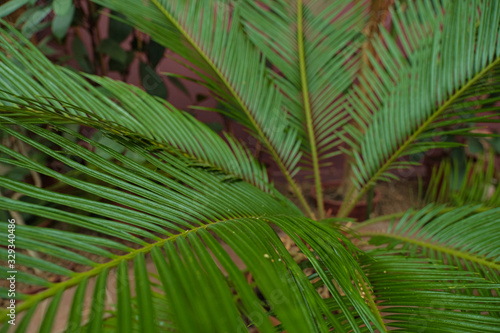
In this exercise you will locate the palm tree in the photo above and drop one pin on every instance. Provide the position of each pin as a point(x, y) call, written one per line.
point(190, 201)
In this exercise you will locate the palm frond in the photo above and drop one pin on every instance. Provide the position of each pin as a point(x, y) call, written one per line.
point(115, 323)
point(29, 75)
point(176, 217)
point(431, 75)
point(474, 182)
point(443, 298)
point(210, 36)
point(460, 237)
point(314, 47)
point(448, 263)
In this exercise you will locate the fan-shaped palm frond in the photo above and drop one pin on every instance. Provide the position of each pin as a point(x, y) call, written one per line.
point(174, 217)
point(29, 75)
point(209, 35)
point(443, 56)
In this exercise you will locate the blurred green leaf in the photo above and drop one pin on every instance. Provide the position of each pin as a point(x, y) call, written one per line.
point(215, 126)
point(73, 127)
point(178, 83)
point(46, 49)
point(62, 7)
point(25, 16)
point(135, 157)
point(495, 143)
point(113, 49)
point(81, 55)
point(121, 67)
point(155, 53)
point(61, 23)
point(11, 6)
point(152, 81)
point(17, 173)
point(459, 165)
point(118, 30)
point(475, 146)
point(34, 23)
point(106, 141)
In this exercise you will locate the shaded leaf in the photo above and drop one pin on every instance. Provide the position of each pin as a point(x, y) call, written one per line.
point(81, 55)
point(152, 81)
point(62, 7)
point(155, 53)
point(117, 29)
point(113, 49)
point(11, 6)
point(61, 23)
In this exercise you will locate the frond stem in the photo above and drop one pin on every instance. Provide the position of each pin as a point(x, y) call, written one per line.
point(442, 249)
point(371, 302)
point(308, 112)
point(51, 291)
point(401, 214)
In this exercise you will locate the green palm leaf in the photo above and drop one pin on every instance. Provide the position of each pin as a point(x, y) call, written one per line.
point(458, 237)
point(314, 46)
point(448, 263)
point(476, 183)
point(29, 74)
point(419, 90)
point(443, 298)
point(210, 36)
point(174, 217)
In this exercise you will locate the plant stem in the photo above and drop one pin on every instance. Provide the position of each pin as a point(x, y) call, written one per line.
point(95, 39)
point(371, 302)
point(99, 268)
point(401, 214)
point(308, 111)
point(378, 12)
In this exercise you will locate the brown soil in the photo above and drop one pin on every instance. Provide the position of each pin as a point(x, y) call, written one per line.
point(333, 194)
point(395, 197)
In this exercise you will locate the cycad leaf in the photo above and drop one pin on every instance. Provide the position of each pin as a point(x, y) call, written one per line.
point(458, 237)
point(179, 209)
point(209, 35)
point(313, 46)
point(448, 263)
point(29, 75)
point(477, 184)
point(449, 57)
point(442, 298)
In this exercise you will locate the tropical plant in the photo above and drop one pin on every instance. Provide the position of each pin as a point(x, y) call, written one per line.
point(308, 79)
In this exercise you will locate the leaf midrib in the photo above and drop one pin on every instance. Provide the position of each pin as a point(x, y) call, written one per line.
point(456, 253)
point(51, 291)
point(307, 110)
